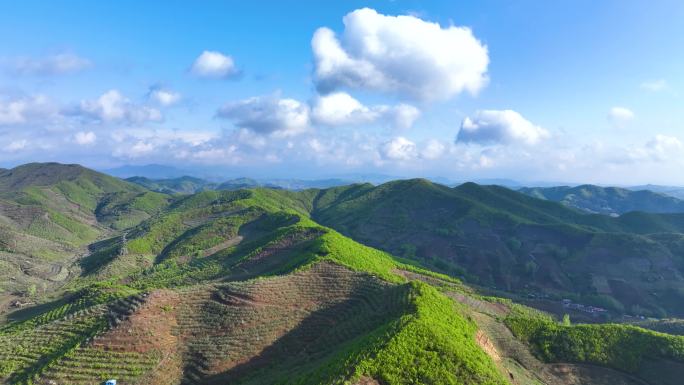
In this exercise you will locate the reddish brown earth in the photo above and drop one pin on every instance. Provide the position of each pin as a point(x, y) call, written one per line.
point(367, 381)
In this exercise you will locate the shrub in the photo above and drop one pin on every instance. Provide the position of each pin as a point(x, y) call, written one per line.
point(618, 346)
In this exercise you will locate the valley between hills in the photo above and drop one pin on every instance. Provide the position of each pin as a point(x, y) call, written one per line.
point(407, 282)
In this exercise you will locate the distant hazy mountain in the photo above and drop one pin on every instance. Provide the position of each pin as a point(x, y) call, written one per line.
point(190, 185)
point(152, 171)
point(608, 200)
point(224, 180)
point(183, 185)
point(286, 184)
point(675, 191)
point(301, 184)
point(239, 183)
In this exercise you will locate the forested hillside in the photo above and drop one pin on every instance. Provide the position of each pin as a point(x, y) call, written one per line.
point(503, 239)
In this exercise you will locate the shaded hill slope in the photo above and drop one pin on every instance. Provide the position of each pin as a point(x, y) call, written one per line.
point(501, 238)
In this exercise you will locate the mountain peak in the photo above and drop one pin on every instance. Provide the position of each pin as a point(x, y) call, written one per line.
point(40, 174)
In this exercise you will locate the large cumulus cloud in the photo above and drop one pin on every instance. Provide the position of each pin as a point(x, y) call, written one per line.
point(402, 55)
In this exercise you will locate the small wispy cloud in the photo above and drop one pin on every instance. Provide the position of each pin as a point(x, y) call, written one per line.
point(85, 138)
point(214, 64)
point(654, 85)
point(620, 116)
point(164, 97)
point(59, 64)
point(16, 145)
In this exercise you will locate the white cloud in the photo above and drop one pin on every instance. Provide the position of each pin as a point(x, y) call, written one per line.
point(659, 149)
point(250, 138)
point(620, 116)
point(403, 55)
point(85, 138)
point(268, 115)
point(151, 144)
point(663, 147)
point(213, 64)
point(432, 149)
point(59, 64)
point(25, 109)
point(404, 115)
point(16, 145)
point(654, 85)
point(500, 127)
point(341, 109)
point(165, 97)
point(140, 148)
point(316, 146)
point(165, 137)
point(112, 106)
point(215, 155)
point(398, 148)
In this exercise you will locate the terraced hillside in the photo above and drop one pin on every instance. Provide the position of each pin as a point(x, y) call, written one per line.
point(49, 213)
point(243, 287)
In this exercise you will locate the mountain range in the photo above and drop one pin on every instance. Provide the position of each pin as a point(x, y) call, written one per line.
point(407, 282)
point(608, 200)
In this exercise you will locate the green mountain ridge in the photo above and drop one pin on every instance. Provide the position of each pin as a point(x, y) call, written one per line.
point(50, 212)
point(270, 286)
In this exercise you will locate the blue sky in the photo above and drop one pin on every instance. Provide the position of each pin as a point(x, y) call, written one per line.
point(576, 91)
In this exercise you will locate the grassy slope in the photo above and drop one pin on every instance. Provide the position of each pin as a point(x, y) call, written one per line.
point(49, 212)
point(74, 199)
point(432, 345)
